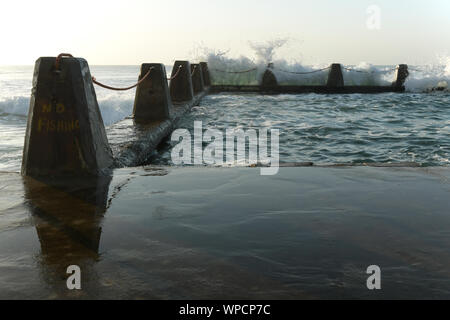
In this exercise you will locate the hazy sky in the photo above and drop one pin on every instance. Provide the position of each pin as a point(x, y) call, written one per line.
point(136, 31)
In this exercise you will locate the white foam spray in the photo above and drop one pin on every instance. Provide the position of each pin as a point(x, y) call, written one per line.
point(422, 78)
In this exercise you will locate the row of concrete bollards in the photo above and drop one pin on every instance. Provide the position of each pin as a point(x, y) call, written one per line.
point(154, 96)
point(66, 135)
point(335, 76)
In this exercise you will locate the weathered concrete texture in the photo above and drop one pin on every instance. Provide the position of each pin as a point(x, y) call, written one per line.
point(133, 143)
point(206, 75)
point(152, 102)
point(401, 75)
point(335, 77)
point(269, 79)
point(65, 133)
point(197, 78)
point(181, 89)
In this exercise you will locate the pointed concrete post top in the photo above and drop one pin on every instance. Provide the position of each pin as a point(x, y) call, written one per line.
point(269, 79)
point(401, 75)
point(335, 76)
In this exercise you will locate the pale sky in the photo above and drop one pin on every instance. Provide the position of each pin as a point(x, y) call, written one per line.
point(135, 31)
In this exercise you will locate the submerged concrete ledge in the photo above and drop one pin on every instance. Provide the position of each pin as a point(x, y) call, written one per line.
point(157, 110)
point(303, 89)
point(133, 142)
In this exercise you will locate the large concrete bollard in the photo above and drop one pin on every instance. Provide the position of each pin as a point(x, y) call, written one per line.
point(180, 87)
point(206, 75)
point(401, 74)
point(335, 77)
point(65, 133)
point(152, 102)
point(268, 79)
point(197, 78)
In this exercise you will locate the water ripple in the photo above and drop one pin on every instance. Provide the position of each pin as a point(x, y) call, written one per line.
point(345, 128)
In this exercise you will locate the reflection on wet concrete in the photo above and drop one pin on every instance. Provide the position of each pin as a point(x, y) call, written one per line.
point(67, 216)
point(305, 233)
point(217, 233)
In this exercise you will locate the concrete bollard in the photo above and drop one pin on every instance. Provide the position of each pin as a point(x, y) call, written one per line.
point(65, 132)
point(152, 102)
point(401, 75)
point(268, 78)
point(335, 77)
point(206, 76)
point(180, 87)
point(197, 78)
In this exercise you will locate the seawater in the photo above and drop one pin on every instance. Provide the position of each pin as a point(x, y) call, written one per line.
point(325, 129)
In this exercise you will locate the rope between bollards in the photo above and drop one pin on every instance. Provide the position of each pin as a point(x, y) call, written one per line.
point(123, 89)
point(176, 74)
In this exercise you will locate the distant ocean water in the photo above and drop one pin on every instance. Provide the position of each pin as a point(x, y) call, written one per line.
point(325, 129)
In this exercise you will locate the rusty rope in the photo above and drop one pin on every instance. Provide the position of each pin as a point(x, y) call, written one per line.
point(306, 72)
point(123, 89)
point(176, 74)
point(59, 57)
point(237, 72)
point(193, 71)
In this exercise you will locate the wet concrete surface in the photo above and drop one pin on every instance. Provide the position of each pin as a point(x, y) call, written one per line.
point(228, 233)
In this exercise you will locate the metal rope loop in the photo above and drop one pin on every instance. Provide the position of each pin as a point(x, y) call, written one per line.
point(59, 57)
point(176, 74)
point(193, 71)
